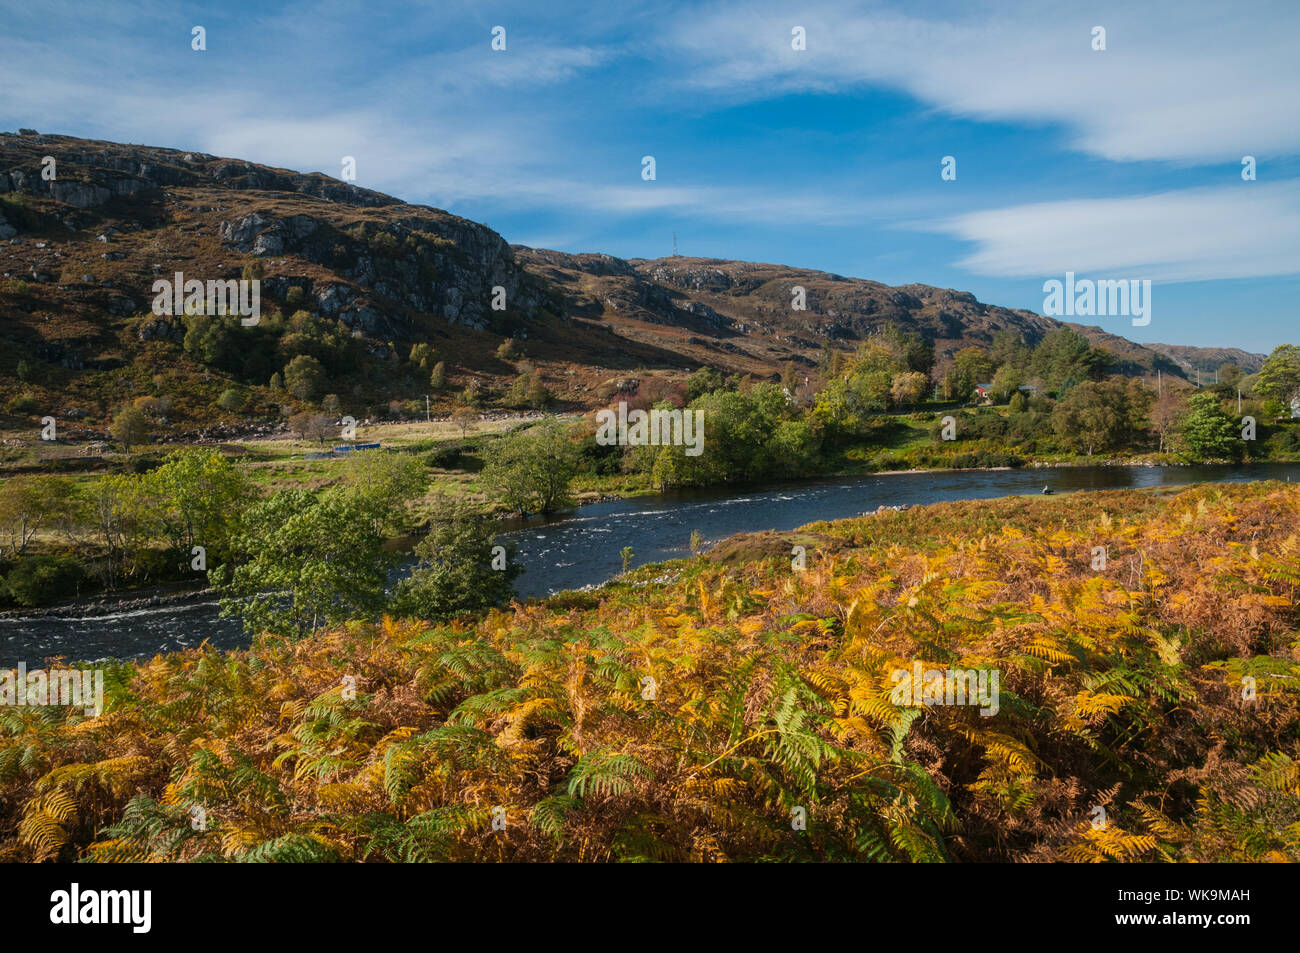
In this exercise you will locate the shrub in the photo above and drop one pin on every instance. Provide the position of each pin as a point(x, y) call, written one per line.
point(41, 579)
point(23, 404)
point(232, 399)
point(304, 377)
point(445, 457)
point(130, 426)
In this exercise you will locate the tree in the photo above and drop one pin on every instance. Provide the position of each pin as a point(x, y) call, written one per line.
point(196, 497)
point(119, 512)
point(462, 417)
point(387, 481)
point(1230, 374)
point(28, 502)
point(538, 395)
point(509, 349)
point(517, 393)
point(1167, 410)
point(457, 569)
point(438, 377)
point(909, 348)
point(422, 355)
point(304, 377)
point(532, 470)
point(972, 366)
point(319, 428)
point(1208, 432)
point(472, 395)
point(1279, 379)
point(232, 399)
point(908, 388)
point(1008, 349)
point(1064, 358)
point(130, 427)
point(704, 381)
point(332, 405)
point(305, 560)
point(1101, 415)
point(309, 426)
point(789, 378)
point(1006, 382)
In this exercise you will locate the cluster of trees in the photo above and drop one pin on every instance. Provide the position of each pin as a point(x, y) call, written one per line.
point(299, 353)
point(139, 526)
point(1059, 397)
point(288, 563)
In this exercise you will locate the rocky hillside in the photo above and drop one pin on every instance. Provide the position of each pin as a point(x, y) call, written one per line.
point(354, 278)
point(739, 314)
point(1192, 359)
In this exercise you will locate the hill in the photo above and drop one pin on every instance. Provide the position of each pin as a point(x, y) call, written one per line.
point(1208, 359)
point(353, 278)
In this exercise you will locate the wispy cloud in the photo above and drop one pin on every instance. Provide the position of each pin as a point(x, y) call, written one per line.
point(1182, 82)
point(1247, 230)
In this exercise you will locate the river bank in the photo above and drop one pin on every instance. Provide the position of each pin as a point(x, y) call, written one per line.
point(584, 547)
point(178, 593)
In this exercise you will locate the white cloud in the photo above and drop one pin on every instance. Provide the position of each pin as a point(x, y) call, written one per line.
point(1178, 81)
point(1247, 230)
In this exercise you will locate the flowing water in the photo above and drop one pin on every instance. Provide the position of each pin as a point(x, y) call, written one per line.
point(582, 547)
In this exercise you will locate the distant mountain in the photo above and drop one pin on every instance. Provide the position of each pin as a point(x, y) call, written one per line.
point(1192, 359)
point(79, 254)
point(738, 314)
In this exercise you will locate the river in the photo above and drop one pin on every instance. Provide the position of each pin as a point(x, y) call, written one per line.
point(581, 548)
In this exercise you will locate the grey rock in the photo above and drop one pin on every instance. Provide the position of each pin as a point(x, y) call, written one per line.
point(79, 194)
point(268, 243)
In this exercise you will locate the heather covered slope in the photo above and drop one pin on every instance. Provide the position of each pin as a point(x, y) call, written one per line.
point(1120, 688)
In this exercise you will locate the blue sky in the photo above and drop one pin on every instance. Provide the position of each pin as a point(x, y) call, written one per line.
point(1123, 163)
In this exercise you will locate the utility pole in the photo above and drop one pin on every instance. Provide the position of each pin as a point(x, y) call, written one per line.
point(1238, 399)
point(428, 418)
point(1160, 385)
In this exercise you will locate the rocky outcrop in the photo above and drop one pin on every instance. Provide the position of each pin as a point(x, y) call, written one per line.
point(89, 173)
point(390, 265)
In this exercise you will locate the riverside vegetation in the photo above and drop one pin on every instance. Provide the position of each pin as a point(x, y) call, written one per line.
point(1123, 688)
point(69, 534)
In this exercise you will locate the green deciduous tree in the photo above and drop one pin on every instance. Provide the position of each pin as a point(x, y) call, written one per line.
point(1208, 432)
point(457, 570)
point(1102, 415)
point(305, 560)
point(130, 427)
point(1279, 379)
point(30, 502)
point(531, 471)
point(196, 498)
point(304, 377)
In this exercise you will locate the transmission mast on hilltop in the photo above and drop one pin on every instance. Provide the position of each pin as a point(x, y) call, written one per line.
point(674, 244)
